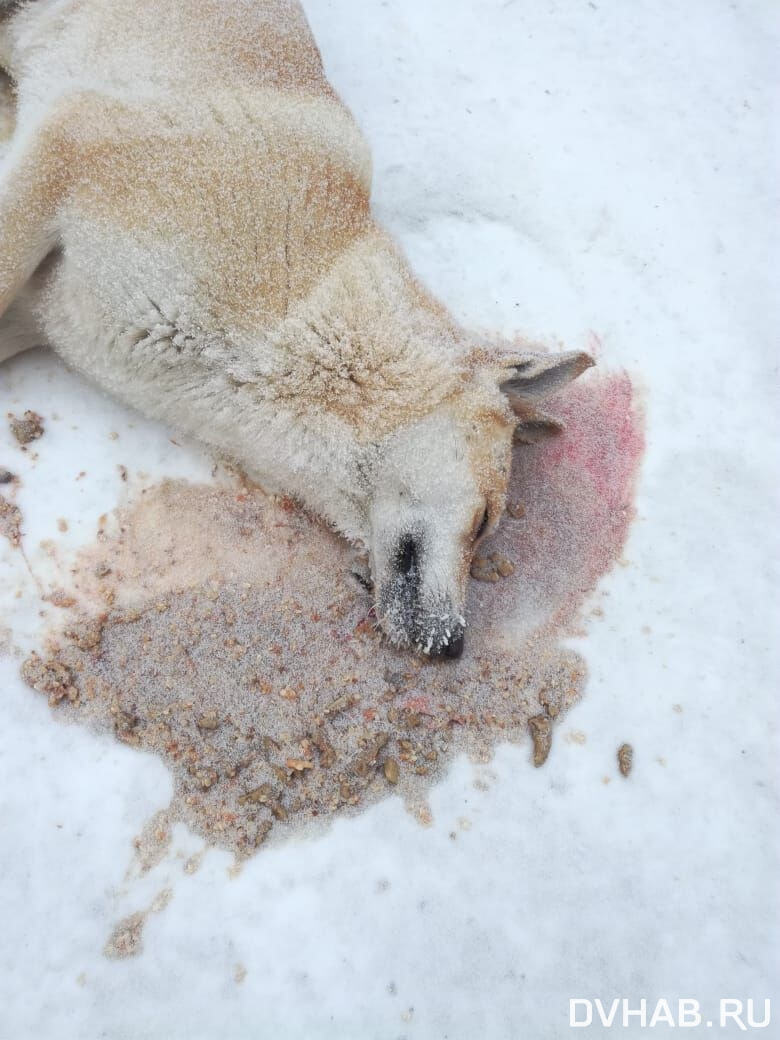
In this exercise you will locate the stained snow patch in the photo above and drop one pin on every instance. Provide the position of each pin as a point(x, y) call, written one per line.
point(221, 630)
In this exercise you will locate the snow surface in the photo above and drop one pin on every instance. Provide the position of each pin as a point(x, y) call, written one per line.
point(565, 169)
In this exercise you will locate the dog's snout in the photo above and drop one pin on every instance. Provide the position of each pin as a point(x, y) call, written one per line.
point(411, 609)
point(454, 648)
point(451, 647)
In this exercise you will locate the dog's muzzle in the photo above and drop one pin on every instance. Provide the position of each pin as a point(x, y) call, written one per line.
point(431, 626)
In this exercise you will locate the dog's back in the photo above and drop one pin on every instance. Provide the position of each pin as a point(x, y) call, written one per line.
point(202, 134)
point(137, 48)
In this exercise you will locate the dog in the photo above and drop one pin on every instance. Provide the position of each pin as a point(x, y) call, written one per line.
point(185, 218)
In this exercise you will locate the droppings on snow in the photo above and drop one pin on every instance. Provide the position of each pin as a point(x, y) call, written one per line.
point(625, 758)
point(222, 630)
point(28, 428)
point(540, 727)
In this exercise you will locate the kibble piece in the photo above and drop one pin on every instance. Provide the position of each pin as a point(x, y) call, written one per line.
point(482, 569)
point(367, 759)
point(516, 510)
point(126, 727)
point(340, 705)
point(262, 795)
point(327, 751)
point(504, 566)
point(299, 764)
point(206, 778)
point(278, 810)
point(391, 770)
point(625, 758)
point(209, 720)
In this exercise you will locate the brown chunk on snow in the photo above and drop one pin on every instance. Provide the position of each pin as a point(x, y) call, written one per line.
point(28, 428)
point(541, 734)
point(625, 758)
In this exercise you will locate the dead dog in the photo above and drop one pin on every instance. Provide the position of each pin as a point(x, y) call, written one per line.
point(185, 218)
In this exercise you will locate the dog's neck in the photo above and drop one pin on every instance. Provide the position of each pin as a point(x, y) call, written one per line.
point(366, 352)
point(368, 345)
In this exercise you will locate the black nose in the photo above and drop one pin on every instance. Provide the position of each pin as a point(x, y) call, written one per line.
point(454, 648)
point(406, 555)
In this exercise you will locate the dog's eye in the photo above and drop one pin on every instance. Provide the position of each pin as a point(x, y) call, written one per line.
point(482, 527)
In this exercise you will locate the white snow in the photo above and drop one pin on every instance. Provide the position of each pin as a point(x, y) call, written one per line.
point(561, 168)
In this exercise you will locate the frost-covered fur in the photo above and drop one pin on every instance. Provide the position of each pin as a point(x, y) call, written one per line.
point(184, 217)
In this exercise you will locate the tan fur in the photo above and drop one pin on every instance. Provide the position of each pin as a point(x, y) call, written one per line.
point(256, 255)
point(203, 199)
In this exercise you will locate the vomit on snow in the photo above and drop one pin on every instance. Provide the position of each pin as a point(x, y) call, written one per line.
point(227, 637)
point(391, 770)
point(60, 598)
point(249, 766)
point(576, 736)
point(151, 845)
point(126, 938)
point(51, 677)
point(193, 863)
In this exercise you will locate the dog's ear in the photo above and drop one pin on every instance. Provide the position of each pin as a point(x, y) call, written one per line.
point(535, 427)
point(527, 379)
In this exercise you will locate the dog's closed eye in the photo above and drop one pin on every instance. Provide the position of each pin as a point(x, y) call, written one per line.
point(481, 522)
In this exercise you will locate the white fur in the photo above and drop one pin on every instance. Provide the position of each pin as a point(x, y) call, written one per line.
point(198, 268)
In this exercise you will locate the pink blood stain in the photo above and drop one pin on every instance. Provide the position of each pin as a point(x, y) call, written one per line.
point(578, 491)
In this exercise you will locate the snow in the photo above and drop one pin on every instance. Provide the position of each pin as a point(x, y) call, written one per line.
point(590, 173)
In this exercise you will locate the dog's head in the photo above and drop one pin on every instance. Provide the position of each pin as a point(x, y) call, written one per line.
point(439, 488)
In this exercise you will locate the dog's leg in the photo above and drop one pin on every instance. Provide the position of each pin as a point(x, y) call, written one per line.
point(31, 188)
point(7, 113)
point(19, 328)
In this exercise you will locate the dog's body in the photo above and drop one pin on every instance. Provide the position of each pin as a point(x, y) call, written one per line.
point(184, 217)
